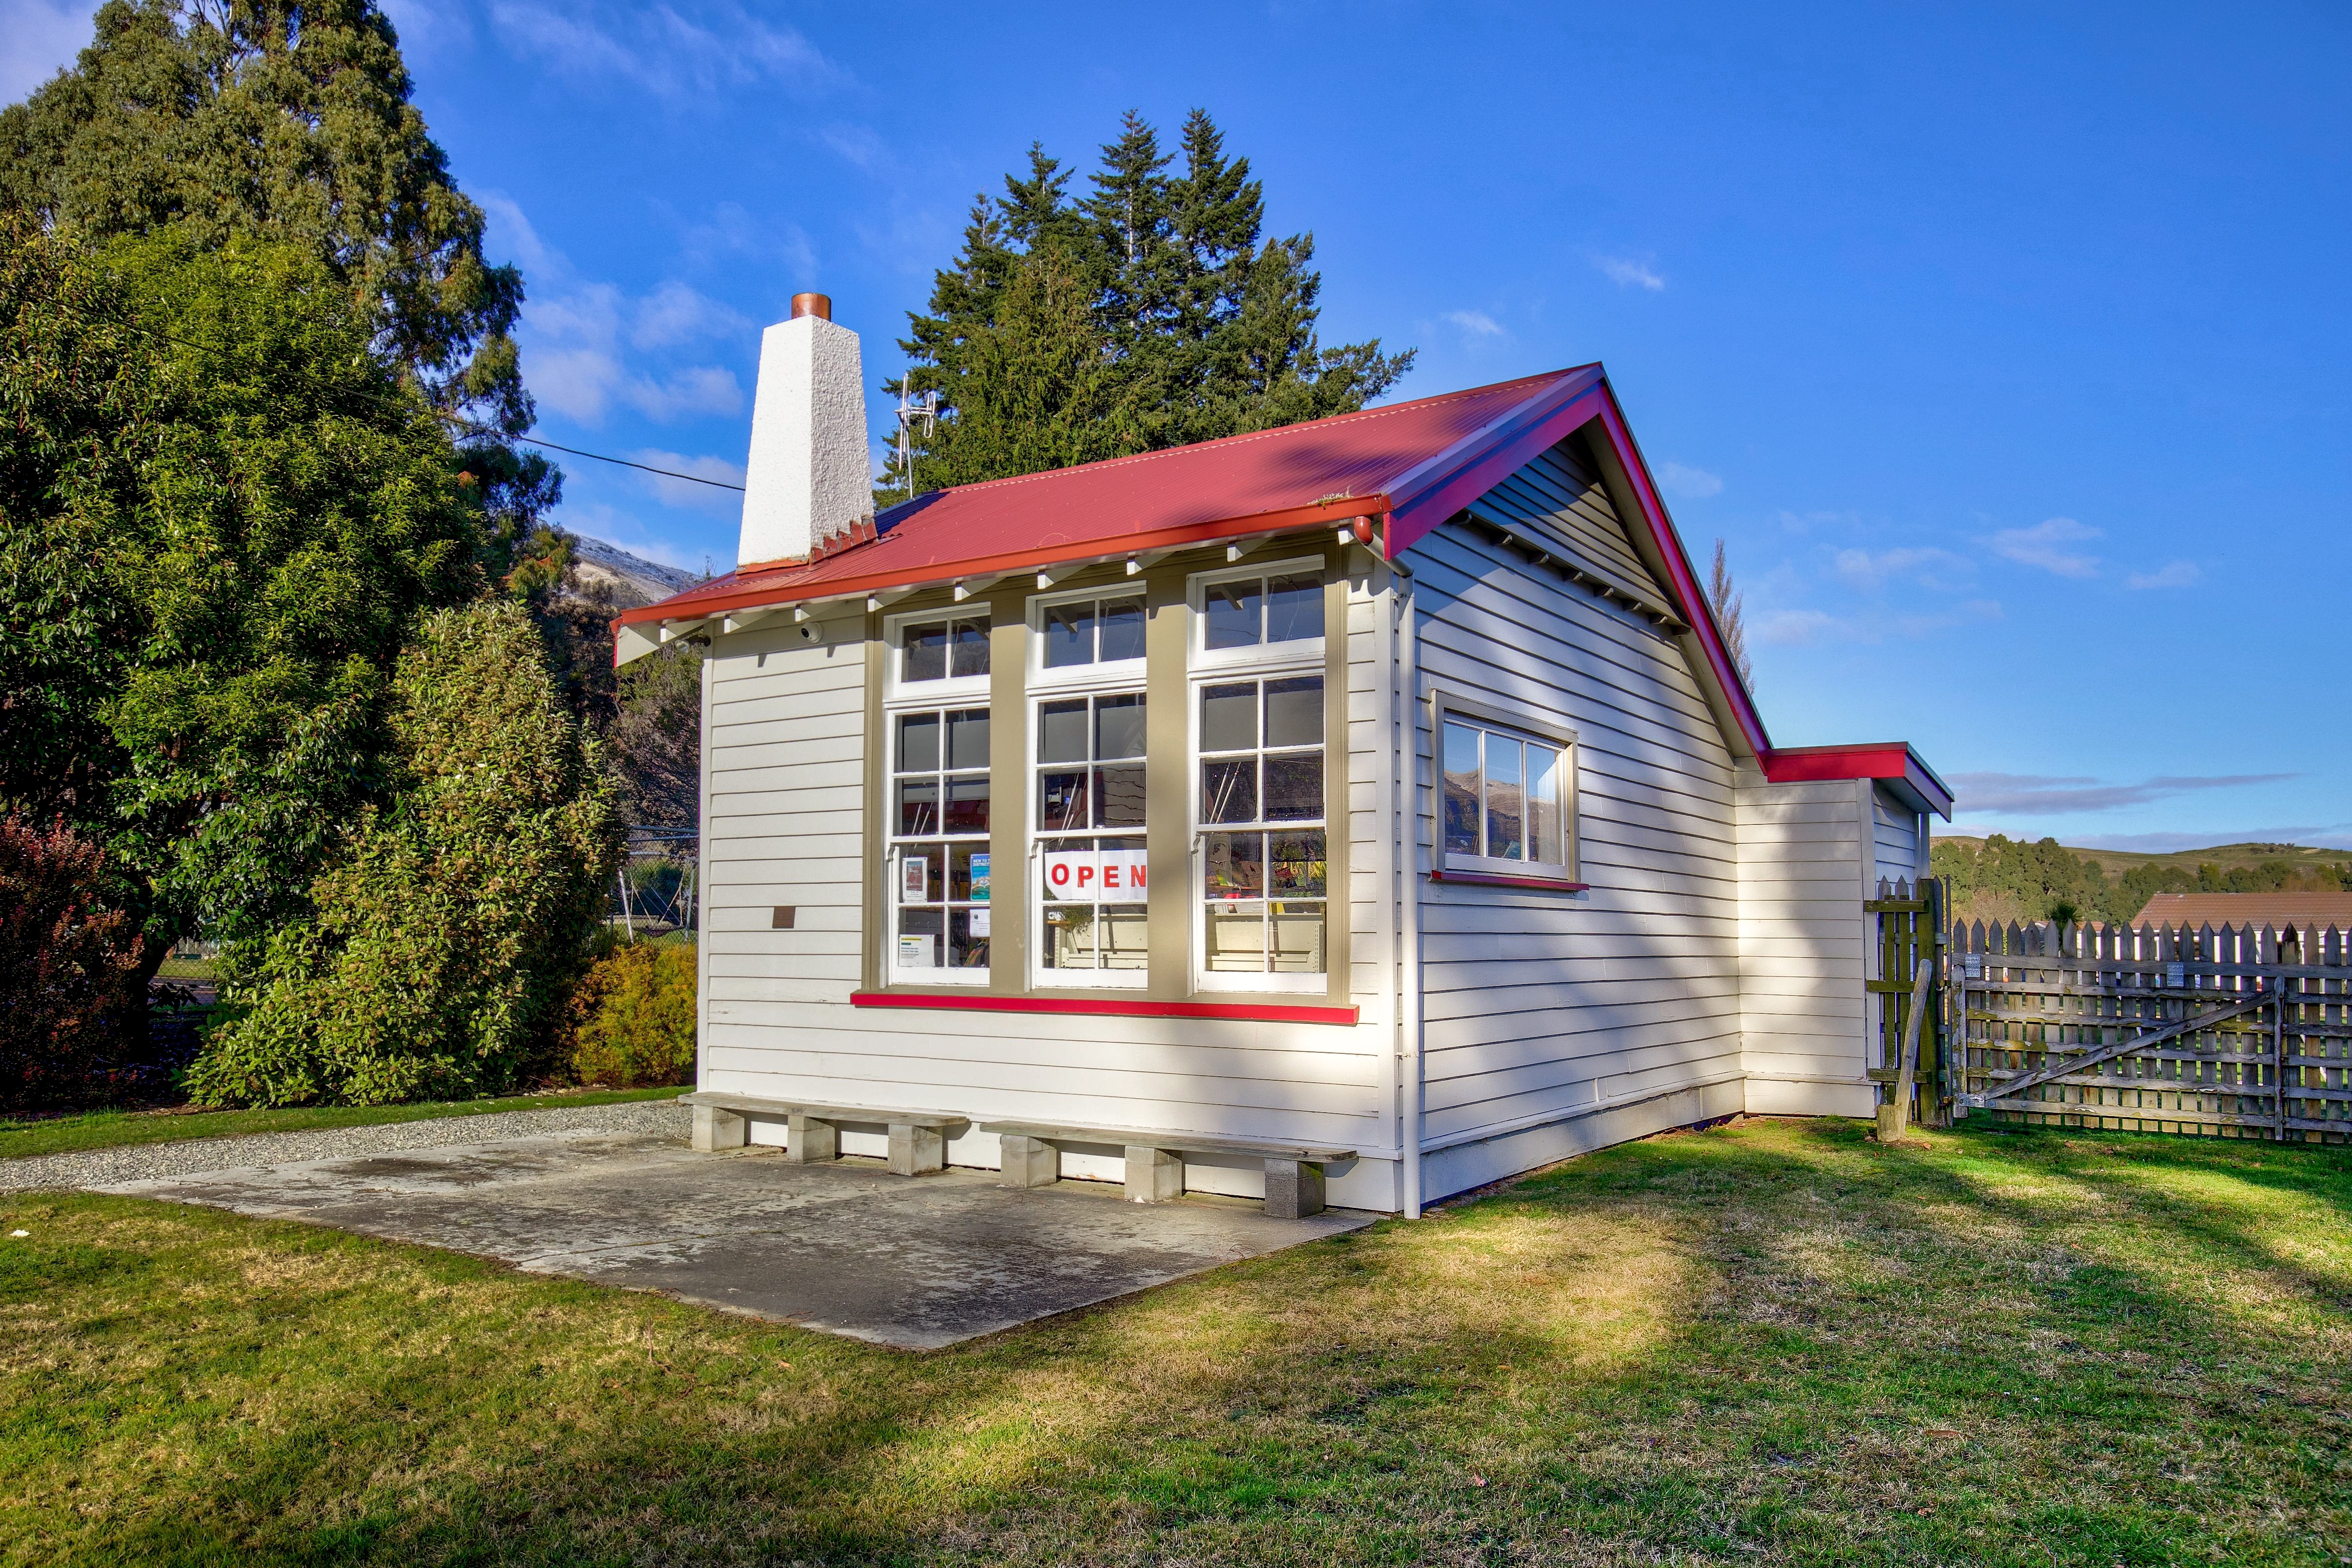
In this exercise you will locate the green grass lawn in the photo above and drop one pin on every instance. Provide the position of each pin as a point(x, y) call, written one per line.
point(105, 1128)
point(1773, 1343)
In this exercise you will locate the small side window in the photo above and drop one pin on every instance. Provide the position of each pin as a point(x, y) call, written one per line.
point(1506, 798)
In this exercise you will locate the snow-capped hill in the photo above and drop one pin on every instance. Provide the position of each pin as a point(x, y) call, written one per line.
point(633, 579)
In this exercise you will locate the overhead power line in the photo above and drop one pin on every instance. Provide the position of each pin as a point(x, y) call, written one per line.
point(389, 399)
point(625, 462)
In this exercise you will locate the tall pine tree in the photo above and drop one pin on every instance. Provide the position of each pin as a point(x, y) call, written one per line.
point(1149, 314)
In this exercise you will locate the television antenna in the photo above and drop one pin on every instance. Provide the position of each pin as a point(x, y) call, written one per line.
point(925, 409)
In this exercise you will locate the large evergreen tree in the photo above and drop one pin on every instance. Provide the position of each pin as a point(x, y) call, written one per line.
point(288, 122)
point(1149, 314)
point(219, 517)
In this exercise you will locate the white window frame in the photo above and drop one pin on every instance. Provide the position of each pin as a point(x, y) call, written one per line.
point(948, 691)
point(1449, 866)
point(1216, 667)
point(1041, 975)
point(942, 697)
point(1118, 674)
point(1201, 657)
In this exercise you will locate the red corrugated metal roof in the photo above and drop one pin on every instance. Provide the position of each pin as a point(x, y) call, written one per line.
point(1131, 503)
point(1412, 464)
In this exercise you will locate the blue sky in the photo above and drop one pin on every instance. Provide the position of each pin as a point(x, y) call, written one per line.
point(2005, 346)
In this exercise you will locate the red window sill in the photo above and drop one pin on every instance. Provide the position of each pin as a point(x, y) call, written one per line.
point(1492, 879)
point(1106, 1006)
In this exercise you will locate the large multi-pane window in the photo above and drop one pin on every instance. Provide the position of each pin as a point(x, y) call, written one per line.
point(1093, 923)
point(1265, 875)
point(938, 866)
point(1508, 799)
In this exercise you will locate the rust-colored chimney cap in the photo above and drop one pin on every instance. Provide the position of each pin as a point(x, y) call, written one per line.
point(817, 305)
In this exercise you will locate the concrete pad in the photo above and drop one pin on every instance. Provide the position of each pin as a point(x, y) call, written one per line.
point(912, 1262)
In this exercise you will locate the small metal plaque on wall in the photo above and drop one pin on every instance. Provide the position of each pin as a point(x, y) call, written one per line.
point(783, 918)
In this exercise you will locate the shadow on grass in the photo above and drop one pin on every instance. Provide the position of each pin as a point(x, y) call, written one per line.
point(1776, 1343)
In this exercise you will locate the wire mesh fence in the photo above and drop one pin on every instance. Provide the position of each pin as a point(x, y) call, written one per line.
point(658, 886)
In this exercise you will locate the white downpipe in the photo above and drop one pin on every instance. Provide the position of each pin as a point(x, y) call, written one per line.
point(1408, 780)
point(1392, 950)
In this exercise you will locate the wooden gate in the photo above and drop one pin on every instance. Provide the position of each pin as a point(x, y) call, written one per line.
point(2241, 1031)
point(1911, 928)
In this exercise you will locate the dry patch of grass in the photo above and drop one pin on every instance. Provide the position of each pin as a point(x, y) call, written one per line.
point(1770, 1343)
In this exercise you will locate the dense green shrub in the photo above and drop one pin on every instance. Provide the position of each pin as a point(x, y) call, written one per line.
point(68, 964)
point(449, 927)
point(633, 1017)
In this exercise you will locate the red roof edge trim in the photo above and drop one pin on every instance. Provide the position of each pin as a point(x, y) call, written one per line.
point(1893, 761)
point(682, 607)
point(1434, 489)
point(1513, 450)
point(1683, 581)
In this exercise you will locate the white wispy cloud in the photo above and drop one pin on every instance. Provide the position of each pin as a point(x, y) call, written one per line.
point(2052, 545)
point(37, 39)
point(1476, 323)
point(858, 145)
point(1628, 272)
point(674, 314)
point(1869, 573)
point(684, 492)
point(731, 230)
point(2010, 795)
point(1806, 521)
point(577, 336)
point(662, 49)
point(1816, 628)
point(429, 28)
point(2176, 575)
point(2330, 836)
point(1688, 483)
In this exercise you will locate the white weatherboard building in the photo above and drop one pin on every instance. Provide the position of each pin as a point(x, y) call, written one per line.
point(1362, 810)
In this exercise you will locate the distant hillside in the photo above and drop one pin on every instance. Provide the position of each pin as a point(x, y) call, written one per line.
point(2001, 878)
point(2228, 856)
point(633, 579)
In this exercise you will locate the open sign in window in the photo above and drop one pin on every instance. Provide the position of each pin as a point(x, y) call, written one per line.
point(1112, 873)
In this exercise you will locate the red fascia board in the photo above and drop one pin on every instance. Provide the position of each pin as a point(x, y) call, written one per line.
point(1684, 582)
point(1874, 760)
point(1313, 513)
point(1444, 486)
point(1430, 496)
point(1106, 1007)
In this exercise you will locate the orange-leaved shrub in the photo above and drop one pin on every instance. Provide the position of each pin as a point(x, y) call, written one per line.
point(632, 1017)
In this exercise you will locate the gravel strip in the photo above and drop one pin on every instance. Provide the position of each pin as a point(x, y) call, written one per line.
point(101, 1167)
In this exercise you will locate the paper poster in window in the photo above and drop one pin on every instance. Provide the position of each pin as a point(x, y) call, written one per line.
point(979, 923)
point(980, 886)
point(916, 952)
point(914, 879)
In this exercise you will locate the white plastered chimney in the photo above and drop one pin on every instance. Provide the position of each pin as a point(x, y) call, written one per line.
point(807, 488)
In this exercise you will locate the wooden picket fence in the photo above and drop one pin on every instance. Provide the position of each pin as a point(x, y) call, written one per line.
point(2243, 1032)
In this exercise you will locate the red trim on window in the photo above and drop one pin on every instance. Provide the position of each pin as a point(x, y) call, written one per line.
point(1107, 1007)
point(1493, 879)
